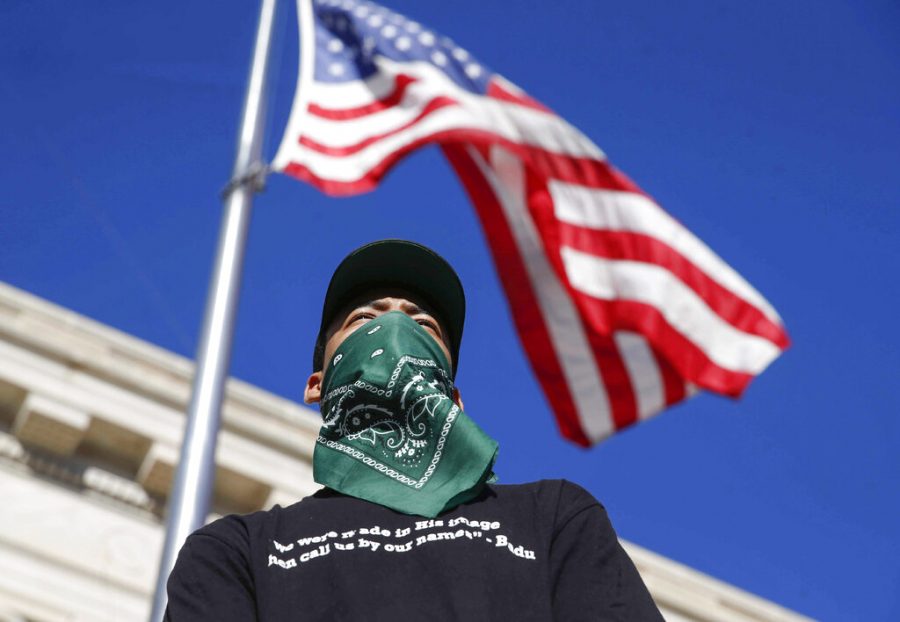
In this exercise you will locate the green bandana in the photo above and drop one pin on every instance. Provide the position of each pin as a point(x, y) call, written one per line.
point(391, 432)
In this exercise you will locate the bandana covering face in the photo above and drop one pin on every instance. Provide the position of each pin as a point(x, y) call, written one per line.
point(391, 432)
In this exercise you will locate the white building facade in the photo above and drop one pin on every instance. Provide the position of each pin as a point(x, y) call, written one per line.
point(90, 429)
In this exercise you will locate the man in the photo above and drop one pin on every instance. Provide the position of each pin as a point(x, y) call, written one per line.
point(408, 525)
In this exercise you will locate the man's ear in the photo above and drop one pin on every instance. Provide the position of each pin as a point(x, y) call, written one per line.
point(313, 391)
point(457, 398)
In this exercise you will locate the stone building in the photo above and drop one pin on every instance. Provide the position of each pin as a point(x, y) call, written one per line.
point(90, 427)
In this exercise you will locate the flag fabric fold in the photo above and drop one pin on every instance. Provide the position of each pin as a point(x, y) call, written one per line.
point(621, 310)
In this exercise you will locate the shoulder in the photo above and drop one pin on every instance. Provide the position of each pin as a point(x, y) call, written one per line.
point(558, 500)
point(559, 492)
point(233, 532)
point(239, 530)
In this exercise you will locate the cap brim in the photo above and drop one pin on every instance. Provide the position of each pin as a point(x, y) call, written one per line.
point(403, 265)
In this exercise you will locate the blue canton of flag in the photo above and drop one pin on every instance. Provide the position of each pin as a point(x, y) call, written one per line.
point(350, 34)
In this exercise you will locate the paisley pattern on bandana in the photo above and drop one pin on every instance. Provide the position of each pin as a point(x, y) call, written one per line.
point(391, 433)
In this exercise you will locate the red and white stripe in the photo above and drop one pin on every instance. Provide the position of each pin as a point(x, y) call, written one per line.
point(621, 310)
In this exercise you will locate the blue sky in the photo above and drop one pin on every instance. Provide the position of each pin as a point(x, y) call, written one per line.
point(771, 129)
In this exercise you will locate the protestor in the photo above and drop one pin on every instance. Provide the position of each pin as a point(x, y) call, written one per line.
point(409, 525)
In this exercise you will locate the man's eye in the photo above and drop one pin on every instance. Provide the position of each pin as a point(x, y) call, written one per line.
point(427, 322)
point(356, 317)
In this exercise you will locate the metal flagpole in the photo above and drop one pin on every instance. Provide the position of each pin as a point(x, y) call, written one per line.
point(192, 489)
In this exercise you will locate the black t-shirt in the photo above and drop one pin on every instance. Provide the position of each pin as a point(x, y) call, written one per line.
point(540, 551)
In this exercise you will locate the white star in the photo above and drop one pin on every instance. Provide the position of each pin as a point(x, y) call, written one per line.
point(389, 32)
point(473, 70)
point(336, 69)
point(413, 27)
point(439, 58)
point(460, 54)
point(426, 38)
point(334, 46)
point(368, 45)
point(361, 12)
point(375, 21)
point(403, 44)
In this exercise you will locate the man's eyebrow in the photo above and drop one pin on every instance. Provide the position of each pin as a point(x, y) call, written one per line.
point(380, 305)
point(377, 304)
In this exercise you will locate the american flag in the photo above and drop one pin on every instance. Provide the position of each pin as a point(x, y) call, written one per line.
point(622, 311)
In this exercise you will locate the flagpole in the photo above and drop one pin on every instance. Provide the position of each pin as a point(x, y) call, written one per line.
point(192, 490)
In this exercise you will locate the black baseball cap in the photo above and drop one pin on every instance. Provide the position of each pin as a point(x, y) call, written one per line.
point(405, 265)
